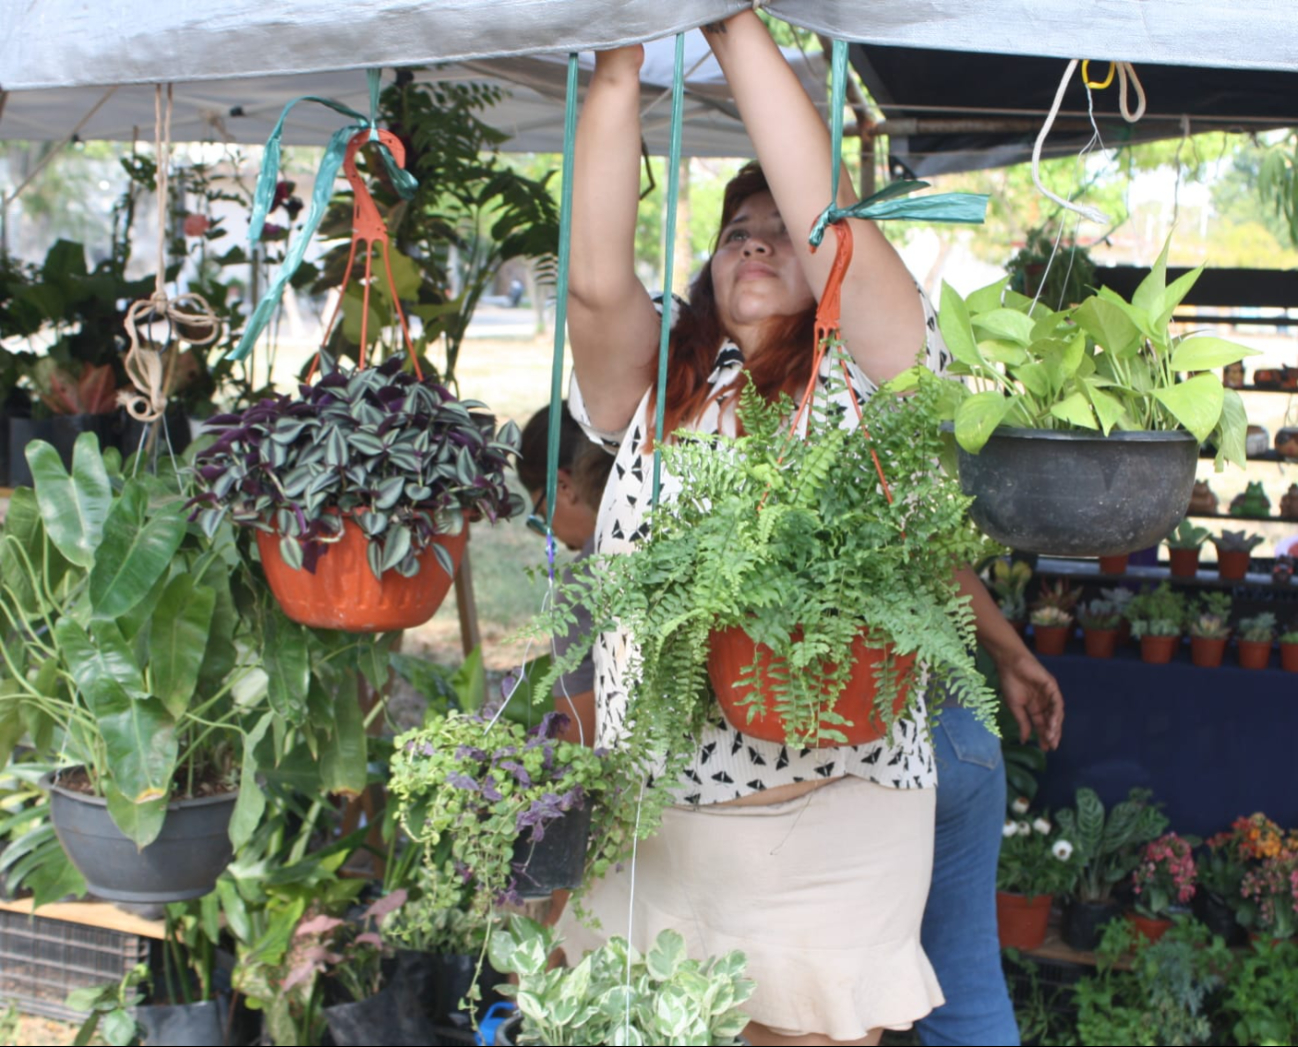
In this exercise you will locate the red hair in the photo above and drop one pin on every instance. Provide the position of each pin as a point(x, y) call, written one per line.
point(781, 364)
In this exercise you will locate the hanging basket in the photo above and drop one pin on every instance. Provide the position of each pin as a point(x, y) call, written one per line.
point(558, 860)
point(732, 650)
point(190, 852)
point(1064, 493)
point(342, 592)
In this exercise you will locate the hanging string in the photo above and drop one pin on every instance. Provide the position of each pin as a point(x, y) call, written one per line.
point(669, 253)
point(189, 314)
point(264, 197)
point(555, 421)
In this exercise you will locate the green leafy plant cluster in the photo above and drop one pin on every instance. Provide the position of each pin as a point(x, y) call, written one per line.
point(1107, 846)
point(615, 995)
point(796, 542)
point(1260, 628)
point(484, 786)
point(141, 649)
point(1099, 614)
point(1157, 612)
point(400, 456)
point(1106, 364)
point(1187, 536)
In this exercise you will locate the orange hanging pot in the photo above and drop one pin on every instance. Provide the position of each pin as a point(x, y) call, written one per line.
point(732, 650)
point(343, 593)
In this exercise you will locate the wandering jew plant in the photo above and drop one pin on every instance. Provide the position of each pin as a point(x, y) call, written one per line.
point(400, 456)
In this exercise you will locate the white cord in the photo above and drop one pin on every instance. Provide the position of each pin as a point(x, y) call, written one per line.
point(1094, 214)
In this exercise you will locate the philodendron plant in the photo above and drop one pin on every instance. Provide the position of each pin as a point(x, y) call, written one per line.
point(399, 455)
point(1106, 364)
point(615, 995)
point(134, 646)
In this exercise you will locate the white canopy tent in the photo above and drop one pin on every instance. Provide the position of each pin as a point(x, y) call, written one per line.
point(238, 61)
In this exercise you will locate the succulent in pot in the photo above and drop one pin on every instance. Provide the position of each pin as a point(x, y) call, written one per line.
point(1288, 642)
point(1051, 626)
point(1209, 629)
point(1255, 637)
point(1156, 620)
point(1183, 545)
point(1100, 620)
point(1233, 551)
point(1099, 386)
point(375, 460)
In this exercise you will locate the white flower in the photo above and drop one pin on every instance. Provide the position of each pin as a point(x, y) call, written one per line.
point(1042, 826)
point(1020, 806)
point(1023, 828)
point(1009, 828)
point(1063, 850)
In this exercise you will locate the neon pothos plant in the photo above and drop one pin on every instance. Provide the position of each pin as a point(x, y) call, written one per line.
point(1106, 364)
point(796, 542)
point(399, 455)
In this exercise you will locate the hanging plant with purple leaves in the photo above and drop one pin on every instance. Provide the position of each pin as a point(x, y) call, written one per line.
point(482, 786)
point(400, 456)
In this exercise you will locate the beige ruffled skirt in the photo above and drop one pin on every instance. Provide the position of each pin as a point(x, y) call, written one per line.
point(824, 894)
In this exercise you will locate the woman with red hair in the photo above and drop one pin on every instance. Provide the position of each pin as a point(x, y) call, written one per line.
point(814, 863)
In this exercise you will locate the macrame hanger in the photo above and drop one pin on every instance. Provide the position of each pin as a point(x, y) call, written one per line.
point(189, 316)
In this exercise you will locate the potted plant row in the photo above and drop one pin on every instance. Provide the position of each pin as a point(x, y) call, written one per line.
point(360, 490)
point(1080, 432)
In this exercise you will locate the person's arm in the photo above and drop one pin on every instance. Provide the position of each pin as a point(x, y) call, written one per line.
point(1031, 693)
point(612, 325)
point(883, 321)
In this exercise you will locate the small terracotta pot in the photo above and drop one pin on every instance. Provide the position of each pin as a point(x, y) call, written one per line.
point(1114, 564)
point(1183, 563)
point(1205, 653)
point(732, 650)
point(1150, 927)
point(1051, 639)
point(1232, 565)
point(1021, 919)
point(1289, 657)
point(1100, 643)
point(1158, 650)
point(1254, 654)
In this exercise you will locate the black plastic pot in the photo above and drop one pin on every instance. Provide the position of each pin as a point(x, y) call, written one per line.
point(1084, 922)
point(183, 862)
point(378, 1019)
point(1077, 493)
point(558, 860)
point(61, 432)
point(436, 983)
point(183, 1025)
point(1218, 917)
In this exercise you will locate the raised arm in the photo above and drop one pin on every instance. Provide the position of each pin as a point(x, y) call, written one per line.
point(882, 321)
point(612, 325)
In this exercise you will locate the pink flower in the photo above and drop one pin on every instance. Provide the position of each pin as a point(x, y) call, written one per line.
point(197, 224)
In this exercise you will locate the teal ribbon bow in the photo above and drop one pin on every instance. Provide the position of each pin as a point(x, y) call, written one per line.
point(884, 205)
point(403, 181)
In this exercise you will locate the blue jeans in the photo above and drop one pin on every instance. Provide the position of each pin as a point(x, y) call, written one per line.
point(959, 929)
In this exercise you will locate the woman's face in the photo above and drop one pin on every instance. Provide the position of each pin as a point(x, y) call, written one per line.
point(756, 274)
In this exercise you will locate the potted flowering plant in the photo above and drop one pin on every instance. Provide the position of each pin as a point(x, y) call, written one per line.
point(1163, 883)
point(360, 490)
point(1035, 865)
point(516, 805)
point(1256, 635)
point(1091, 401)
point(1209, 629)
point(1183, 546)
point(1226, 859)
point(1107, 852)
point(1100, 620)
point(1156, 618)
point(615, 995)
point(1270, 893)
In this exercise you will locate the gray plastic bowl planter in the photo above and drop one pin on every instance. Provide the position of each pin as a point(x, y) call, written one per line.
point(183, 862)
point(1064, 493)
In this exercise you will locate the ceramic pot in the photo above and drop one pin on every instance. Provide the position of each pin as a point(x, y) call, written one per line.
point(1205, 653)
point(1254, 654)
point(1158, 650)
point(1021, 919)
point(1051, 639)
point(732, 650)
point(1183, 563)
point(1100, 643)
point(342, 592)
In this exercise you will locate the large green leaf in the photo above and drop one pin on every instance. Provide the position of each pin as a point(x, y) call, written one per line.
point(1204, 352)
point(74, 507)
point(140, 822)
point(1108, 325)
point(343, 754)
point(1035, 378)
point(288, 667)
point(1196, 403)
point(1150, 297)
point(96, 664)
point(251, 804)
point(178, 642)
point(1076, 410)
point(957, 331)
point(140, 741)
point(1005, 324)
point(23, 551)
point(978, 418)
point(1231, 434)
point(1175, 293)
point(1108, 408)
point(136, 550)
point(987, 298)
